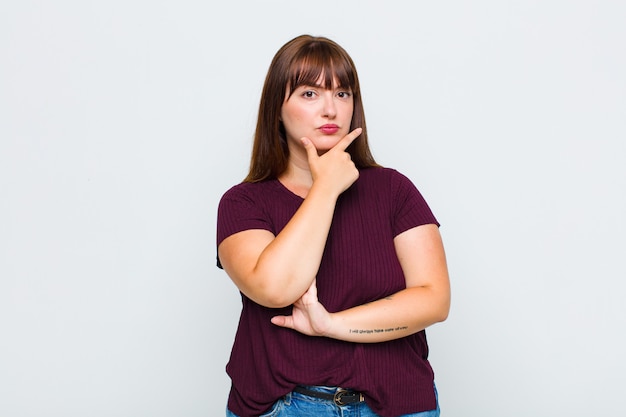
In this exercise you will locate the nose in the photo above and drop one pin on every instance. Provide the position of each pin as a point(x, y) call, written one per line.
point(330, 109)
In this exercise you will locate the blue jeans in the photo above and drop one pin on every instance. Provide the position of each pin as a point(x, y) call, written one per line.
point(298, 405)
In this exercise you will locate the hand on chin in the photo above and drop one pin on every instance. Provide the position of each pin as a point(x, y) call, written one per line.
point(325, 143)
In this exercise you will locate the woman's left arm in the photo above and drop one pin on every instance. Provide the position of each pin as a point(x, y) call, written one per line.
point(425, 301)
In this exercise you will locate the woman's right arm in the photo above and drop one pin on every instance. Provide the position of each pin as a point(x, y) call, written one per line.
point(275, 271)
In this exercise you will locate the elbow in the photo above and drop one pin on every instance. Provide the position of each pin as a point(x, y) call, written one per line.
point(437, 316)
point(444, 310)
point(271, 297)
point(442, 315)
point(263, 290)
point(275, 301)
point(440, 307)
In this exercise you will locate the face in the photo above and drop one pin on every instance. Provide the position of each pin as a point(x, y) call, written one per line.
point(322, 115)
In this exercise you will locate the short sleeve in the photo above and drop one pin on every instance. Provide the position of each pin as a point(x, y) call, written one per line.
point(410, 208)
point(238, 211)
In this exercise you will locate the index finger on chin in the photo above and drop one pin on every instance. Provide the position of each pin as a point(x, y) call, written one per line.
point(348, 139)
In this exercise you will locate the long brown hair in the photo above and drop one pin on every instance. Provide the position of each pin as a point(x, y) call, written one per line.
point(302, 61)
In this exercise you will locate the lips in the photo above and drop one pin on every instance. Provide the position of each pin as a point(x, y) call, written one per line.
point(329, 129)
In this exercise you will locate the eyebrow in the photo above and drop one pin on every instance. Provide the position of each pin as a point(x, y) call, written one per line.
point(347, 87)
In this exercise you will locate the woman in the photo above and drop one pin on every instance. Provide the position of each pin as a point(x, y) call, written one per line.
point(339, 260)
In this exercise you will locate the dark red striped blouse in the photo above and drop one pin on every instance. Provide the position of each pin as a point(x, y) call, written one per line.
point(359, 265)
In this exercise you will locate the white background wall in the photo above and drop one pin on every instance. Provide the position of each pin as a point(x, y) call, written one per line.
point(123, 122)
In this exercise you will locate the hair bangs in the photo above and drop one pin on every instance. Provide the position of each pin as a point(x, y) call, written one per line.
point(321, 65)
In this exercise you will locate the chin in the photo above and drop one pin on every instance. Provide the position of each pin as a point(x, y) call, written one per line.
point(325, 144)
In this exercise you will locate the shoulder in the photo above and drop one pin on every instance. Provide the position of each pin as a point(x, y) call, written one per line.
point(247, 191)
point(382, 176)
point(247, 188)
point(381, 172)
point(244, 206)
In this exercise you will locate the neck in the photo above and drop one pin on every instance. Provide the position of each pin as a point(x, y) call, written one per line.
point(297, 177)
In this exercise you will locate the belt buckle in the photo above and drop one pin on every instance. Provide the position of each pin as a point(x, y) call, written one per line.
point(338, 397)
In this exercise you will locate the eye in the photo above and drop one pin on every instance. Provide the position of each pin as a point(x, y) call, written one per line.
point(308, 94)
point(344, 94)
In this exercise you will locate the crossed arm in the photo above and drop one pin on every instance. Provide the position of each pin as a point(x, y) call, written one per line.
point(278, 271)
point(425, 301)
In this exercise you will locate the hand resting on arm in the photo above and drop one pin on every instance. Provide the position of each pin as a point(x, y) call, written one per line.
point(425, 301)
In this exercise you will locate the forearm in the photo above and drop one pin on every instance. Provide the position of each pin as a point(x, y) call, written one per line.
point(275, 271)
point(402, 314)
point(425, 301)
point(288, 264)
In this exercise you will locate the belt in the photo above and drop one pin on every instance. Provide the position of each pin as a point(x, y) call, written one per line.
point(340, 397)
